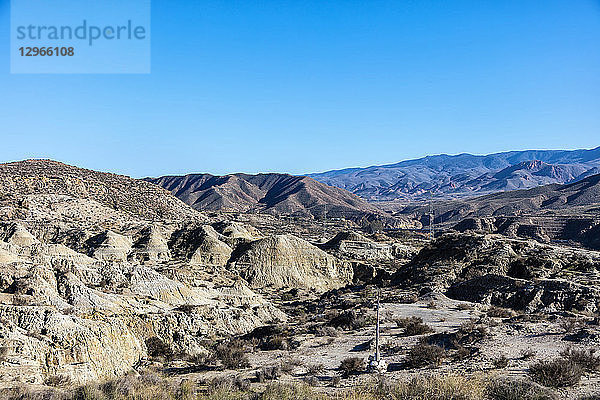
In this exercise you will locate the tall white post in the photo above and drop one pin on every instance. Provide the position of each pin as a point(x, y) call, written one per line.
point(377, 357)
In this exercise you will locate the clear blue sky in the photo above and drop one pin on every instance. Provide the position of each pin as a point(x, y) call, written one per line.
point(307, 86)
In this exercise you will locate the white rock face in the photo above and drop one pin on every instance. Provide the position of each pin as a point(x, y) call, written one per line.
point(287, 261)
point(151, 246)
point(110, 246)
point(84, 318)
point(20, 236)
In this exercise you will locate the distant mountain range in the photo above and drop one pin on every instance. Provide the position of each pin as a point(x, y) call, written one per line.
point(553, 212)
point(578, 199)
point(464, 175)
point(278, 194)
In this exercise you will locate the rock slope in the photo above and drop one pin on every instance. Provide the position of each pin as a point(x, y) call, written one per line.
point(278, 194)
point(134, 197)
point(287, 261)
point(97, 271)
point(520, 274)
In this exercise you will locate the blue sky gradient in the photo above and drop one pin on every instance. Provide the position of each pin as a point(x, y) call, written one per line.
point(298, 87)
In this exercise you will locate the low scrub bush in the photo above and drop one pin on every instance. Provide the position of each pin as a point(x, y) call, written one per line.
point(413, 326)
point(556, 373)
point(158, 349)
point(517, 389)
point(350, 320)
point(288, 365)
point(291, 392)
point(423, 355)
point(434, 388)
point(352, 366)
point(528, 354)
point(586, 358)
point(232, 354)
point(501, 362)
point(315, 369)
point(268, 373)
point(500, 312)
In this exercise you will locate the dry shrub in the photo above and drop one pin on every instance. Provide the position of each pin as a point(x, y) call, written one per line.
point(556, 373)
point(528, 354)
point(350, 320)
point(501, 362)
point(500, 312)
point(57, 380)
point(413, 326)
point(288, 365)
point(268, 373)
point(329, 331)
point(568, 325)
point(233, 354)
point(517, 389)
point(311, 380)
point(435, 388)
point(352, 366)
point(227, 385)
point(4, 352)
point(423, 355)
point(586, 358)
point(315, 369)
point(158, 349)
point(335, 381)
point(278, 391)
point(465, 307)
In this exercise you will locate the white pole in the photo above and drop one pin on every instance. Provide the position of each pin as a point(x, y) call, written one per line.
point(377, 330)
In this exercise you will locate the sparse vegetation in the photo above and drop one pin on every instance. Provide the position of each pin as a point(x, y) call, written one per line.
point(232, 354)
point(517, 389)
point(568, 325)
point(556, 373)
point(413, 326)
point(158, 349)
point(350, 320)
point(151, 386)
point(289, 364)
point(352, 366)
point(268, 373)
point(500, 312)
point(586, 358)
point(315, 369)
point(528, 354)
point(501, 362)
point(423, 355)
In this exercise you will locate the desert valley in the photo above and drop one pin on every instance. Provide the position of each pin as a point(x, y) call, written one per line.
point(480, 273)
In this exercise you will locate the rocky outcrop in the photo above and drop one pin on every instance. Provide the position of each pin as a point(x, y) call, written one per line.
point(17, 234)
point(356, 246)
point(65, 314)
point(547, 295)
point(151, 245)
point(287, 261)
point(109, 246)
point(522, 274)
